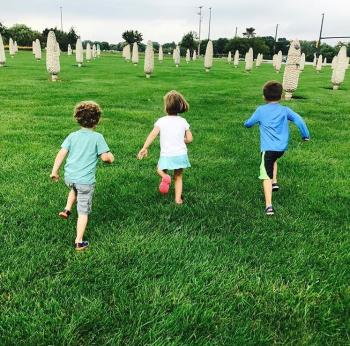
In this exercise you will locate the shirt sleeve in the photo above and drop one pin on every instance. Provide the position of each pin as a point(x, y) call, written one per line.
point(253, 119)
point(67, 143)
point(102, 146)
point(187, 125)
point(299, 122)
point(158, 123)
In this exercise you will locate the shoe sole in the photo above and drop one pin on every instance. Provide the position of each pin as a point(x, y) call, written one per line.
point(63, 217)
point(81, 248)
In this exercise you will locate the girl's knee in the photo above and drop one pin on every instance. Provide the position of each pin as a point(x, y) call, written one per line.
point(178, 172)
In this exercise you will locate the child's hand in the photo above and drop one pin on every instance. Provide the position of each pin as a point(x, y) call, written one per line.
point(107, 157)
point(142, 153)
point(54, 176)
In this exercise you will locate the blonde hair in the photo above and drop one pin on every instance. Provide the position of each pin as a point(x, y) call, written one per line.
point(87, 113)
point(175, 103)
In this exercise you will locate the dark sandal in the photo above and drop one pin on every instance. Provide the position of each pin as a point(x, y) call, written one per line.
point(81, 246)
point(275, 187)
point(269, 211)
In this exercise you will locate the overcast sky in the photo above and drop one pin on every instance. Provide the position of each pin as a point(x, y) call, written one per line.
point(166, 21)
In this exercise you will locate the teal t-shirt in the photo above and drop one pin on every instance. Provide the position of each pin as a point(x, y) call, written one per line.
point(84, 147)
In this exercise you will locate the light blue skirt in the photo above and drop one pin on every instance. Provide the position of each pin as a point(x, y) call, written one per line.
point(173, 162)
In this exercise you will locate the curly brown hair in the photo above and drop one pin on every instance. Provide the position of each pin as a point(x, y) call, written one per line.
point(175, 103)
point(87, 113)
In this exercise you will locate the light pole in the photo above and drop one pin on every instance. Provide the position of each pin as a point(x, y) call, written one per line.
point(236, 32)
point(274, 42)
point(199, 31)
point(61, 19)
point(209, 23)
point(320, 37)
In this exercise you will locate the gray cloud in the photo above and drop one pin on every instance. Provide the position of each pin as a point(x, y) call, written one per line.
point(165, 21)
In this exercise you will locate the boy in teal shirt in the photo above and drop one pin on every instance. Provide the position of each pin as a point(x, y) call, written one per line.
point(83, 147)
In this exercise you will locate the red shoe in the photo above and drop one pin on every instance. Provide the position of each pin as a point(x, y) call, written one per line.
point(64, 214)
point(165, 185)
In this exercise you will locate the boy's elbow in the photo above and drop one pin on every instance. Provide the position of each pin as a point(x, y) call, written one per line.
point(246, 124)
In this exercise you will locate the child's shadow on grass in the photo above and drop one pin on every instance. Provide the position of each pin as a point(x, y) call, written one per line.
point(298, 97)
point(331, 88)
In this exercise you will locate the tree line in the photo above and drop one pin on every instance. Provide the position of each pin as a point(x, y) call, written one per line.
point(266, 45)
point(24, 36)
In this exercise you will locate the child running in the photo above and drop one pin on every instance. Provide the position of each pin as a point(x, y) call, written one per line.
point(83, 147)
point(174, 135)
point(274, 136)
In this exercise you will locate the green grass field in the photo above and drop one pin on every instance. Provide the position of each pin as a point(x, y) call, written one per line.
point(215, 271)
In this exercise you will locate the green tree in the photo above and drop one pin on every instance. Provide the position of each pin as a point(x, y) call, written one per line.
point(269, 42)
point(328, 51)
point(243, 44)
point(169, 47)
point(131, 36)
point(204, 44)
point(2, 29)
point(249, 32)
point(189, 41)
point(62, 37)
point(220, 46)
point(309, 48)
point(282, 44)
point(104, 45)
point(22, 34)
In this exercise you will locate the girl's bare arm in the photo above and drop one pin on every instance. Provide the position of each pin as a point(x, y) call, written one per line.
point(151, 137)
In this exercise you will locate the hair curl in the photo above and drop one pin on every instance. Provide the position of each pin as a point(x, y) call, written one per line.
point(87, 113)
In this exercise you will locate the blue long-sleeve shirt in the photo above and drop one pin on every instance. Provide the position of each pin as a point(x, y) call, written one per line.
point(273, 122)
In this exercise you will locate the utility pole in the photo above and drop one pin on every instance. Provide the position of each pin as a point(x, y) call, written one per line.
point(199, 31)
point(320, 37)
point(236, 32)
point(274, 42)
point(209, 23)
point(61, 19)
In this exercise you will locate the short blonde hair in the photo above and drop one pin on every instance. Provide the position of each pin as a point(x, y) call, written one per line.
point(175, 103)
point(87, 113)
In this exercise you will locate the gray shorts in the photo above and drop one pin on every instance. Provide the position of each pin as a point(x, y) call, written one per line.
point(84, 194)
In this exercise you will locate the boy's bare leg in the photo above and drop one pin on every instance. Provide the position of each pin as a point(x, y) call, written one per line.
point(72, 196)
point(267, 183)
point(81, 226)
point(178, 185)
point(163, 174)
point(274, 181)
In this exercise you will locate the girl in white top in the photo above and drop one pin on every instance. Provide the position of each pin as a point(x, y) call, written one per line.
point(174, 135)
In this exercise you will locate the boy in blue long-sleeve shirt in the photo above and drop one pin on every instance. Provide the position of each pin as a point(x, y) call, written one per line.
point(274, 136)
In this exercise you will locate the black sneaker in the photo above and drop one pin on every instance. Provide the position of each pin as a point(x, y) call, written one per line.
point(81, 246)
point(269, 211)
point(275, 187)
